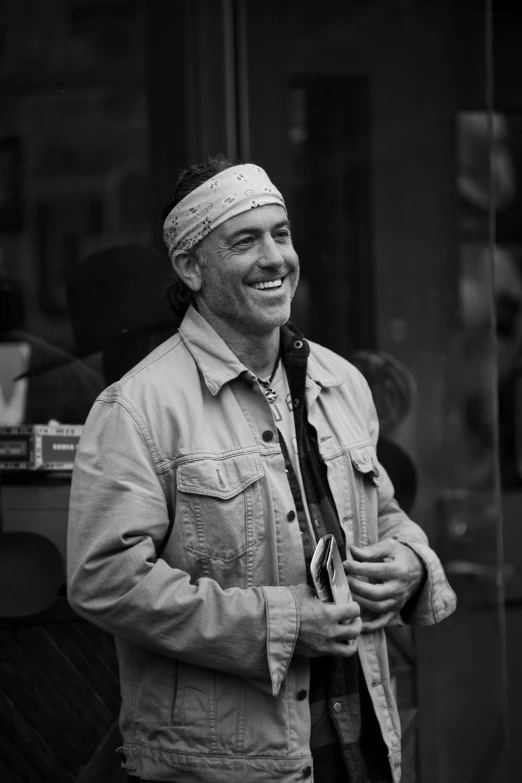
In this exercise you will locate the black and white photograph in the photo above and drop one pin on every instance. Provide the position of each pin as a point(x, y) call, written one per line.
point(260, 391)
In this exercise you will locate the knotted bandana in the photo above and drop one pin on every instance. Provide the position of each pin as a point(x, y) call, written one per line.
point(231, 192)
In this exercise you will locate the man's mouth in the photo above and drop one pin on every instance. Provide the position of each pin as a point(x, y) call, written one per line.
point(267, 284)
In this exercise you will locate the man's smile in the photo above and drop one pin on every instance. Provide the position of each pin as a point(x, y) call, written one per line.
point(267, 284)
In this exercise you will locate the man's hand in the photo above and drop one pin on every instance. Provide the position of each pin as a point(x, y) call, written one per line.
point(325, 629)
point(382, 577)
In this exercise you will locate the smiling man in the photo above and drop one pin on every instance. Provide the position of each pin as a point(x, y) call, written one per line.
point(203, 481)
point(243, 279)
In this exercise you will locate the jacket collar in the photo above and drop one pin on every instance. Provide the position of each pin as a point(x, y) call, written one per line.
point(318, 373)
point(219, 365)
point(295, 342)
point(216, 362)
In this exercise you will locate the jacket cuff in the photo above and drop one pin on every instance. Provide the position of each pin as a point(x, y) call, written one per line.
point(282, 622)
point(435, 600)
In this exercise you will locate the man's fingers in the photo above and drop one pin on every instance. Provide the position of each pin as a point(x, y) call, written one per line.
point(375, 592)
point(378, 572)
point(379, 622)
point(347, 632)
point(379, 607)
point(343, 613)
point(377, 551)
point(343, 650)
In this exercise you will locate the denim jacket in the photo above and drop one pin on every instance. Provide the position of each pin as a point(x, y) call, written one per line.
point(181, 544)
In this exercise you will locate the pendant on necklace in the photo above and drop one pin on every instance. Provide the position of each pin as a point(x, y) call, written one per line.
point(270, 393)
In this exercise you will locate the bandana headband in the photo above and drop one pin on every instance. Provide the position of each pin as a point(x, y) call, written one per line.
point(230, 193)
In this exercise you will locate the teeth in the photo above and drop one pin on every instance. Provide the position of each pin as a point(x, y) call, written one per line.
point(268, 284)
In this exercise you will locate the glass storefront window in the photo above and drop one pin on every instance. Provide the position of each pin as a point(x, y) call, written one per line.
point(75, 169)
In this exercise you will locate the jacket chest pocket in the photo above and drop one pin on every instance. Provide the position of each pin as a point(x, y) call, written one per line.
point(364, 472)
point(220, 505)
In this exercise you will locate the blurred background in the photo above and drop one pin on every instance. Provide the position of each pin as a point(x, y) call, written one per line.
point(394, 130)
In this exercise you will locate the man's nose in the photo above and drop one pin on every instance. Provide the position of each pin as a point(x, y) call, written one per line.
point(272, 253)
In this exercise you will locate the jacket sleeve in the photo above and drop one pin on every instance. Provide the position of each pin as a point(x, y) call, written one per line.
point(435, 600)
point(118, 517)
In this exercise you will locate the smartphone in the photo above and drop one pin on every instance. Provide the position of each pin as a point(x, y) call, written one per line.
point(331, 584)
point(327, 570)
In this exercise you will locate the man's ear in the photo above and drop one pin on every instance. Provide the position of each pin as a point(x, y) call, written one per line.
point(188, 269)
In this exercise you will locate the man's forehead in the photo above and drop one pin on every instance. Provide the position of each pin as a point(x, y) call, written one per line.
point(258, 218)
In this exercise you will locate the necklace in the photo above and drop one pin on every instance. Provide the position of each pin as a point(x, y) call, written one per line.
point(268, 390)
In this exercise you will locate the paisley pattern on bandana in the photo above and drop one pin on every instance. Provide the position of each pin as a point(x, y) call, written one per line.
point(235, 190)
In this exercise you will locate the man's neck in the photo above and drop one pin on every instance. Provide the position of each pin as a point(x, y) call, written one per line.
point(260, 359)
point(258, 352)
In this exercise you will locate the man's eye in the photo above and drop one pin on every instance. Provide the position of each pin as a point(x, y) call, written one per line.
point(283, 235)
point(245, 242)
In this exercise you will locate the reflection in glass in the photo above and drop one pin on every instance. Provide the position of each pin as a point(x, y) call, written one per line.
point(74, 173)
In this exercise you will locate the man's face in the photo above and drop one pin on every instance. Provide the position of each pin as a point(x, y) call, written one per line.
point(249, 273)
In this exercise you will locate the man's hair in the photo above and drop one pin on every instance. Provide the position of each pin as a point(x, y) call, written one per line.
point(178, 294)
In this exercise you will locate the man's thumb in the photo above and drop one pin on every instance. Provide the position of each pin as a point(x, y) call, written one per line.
point(371, 552)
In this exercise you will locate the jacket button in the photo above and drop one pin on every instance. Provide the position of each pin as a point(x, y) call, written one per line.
point(337, 706)
point(295, 402)
point(301, 695)
point(291, 516)
point(307, 771)
point(298, 344)
point(268, 436)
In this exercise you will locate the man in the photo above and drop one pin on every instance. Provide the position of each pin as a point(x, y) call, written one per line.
point(203, 480)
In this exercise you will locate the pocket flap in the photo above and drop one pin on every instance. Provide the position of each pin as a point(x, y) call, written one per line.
point(365, 461)
point(221, 477)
